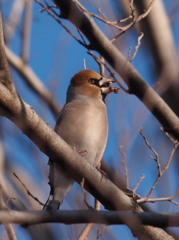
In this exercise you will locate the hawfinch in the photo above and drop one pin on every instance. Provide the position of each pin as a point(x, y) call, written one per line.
point(83, 124)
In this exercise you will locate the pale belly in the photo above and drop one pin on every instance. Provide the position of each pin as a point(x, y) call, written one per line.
point(85, 128)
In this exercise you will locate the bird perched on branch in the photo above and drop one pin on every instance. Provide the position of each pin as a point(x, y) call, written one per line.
point(83, 124)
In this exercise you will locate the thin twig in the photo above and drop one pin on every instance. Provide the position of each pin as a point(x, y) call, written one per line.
point(170, 199)
point(111, 23)
point(89, 226)
point(164, 169)
point(136, 47)
point(126, 177)
point(28, 192)
point(138, 184)
point(86, 230)
point(134, 19)
point(100, 232)
point(55, 16)
point(147, 11)
point(168, 135)
point(156, 158)
point(85, 195)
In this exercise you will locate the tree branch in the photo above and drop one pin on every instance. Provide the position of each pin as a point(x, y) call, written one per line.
point(88, 216)
point(7, 226)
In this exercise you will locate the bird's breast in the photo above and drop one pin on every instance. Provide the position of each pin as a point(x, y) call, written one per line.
point(84, 126)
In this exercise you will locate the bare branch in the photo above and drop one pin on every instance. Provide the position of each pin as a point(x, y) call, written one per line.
point(7, 226)
point(14, 17)
point(85, 195)
point(5, 77)
point(89, 226)
point(170, 199)
point(114, 24)
point(134, 18)
point(138, 184)
point(87, 216)
point(166, 62)
point(137, 47)
point(164, 169)
point(100, 232)
point(26, 30)
point(147, 11)
point(85, 232)
point(156, 158)
point(27, 190)
point(55, 16)
point(125, 166)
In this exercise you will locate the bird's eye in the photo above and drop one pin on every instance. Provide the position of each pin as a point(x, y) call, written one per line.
point(92, 80)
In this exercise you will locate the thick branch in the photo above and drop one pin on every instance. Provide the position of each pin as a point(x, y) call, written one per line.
point(7, 226)
point(5, 77)
point(89, 216)
point(83, 21)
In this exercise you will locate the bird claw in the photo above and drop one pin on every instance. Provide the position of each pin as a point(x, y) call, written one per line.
point(103, 173)
point(83, 153)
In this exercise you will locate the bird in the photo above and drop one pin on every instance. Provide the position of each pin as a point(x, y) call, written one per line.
point(83, 124)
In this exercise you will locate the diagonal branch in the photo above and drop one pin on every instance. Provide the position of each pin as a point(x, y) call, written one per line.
point(5, 77)
point(26, 30)
point(7, 226)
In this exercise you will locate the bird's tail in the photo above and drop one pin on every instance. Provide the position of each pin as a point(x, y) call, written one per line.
point(51, 203)
point(60, 184)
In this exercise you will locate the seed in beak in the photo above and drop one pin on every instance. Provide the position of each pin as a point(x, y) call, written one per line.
point(107, 90)
point(114, 90)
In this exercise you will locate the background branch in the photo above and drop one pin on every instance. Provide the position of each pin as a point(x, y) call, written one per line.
point(88, 216)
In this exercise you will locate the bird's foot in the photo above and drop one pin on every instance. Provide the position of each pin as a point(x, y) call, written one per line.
point(103, 173)
point(83, 153)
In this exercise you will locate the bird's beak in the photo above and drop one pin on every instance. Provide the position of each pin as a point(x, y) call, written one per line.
point(105, 87)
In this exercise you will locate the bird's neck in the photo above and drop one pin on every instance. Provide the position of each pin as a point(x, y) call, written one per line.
point(82, 94)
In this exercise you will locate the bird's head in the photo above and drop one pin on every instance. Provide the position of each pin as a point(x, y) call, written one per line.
point(91, 84)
